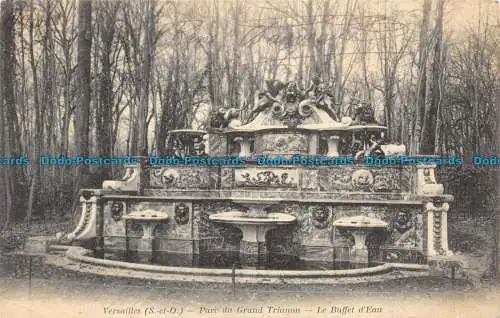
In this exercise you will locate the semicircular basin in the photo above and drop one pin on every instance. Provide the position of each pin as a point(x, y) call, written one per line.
point(360, 222)
point(239, 217)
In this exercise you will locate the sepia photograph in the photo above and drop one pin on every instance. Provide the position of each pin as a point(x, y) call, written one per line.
point(250, 158)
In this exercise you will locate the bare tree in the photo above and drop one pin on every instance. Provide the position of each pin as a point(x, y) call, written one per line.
point(421, 97)
point(432, 115)
point(393, 40)
point(9, 125)
point(39, 113)
point(106, 20)
point(82, 113)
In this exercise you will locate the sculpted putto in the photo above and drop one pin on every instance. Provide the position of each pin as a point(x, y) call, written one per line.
point(322, 99)
point(267, 98)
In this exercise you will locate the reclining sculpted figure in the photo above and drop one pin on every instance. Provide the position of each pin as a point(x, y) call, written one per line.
point(267, 98)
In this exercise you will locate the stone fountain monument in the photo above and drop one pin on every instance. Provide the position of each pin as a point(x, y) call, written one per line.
point(284, 208)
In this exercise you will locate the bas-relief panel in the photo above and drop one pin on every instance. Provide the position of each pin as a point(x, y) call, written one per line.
point(406, 179)
point(309, 179)
point(183, 177)
point(262, 177)
point(314, 225)
point(337, 179)
point(283, 143)
point(363, 179)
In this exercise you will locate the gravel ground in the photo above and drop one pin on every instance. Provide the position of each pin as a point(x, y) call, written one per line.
point(14, 269)
point(57, 292)
point(60, 293)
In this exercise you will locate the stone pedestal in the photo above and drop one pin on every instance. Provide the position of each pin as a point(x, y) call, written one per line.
point(426, 181)
point(144, 245)
point(359, 254)
point(253, 245)
point(360, 226)
point(253, 255)
point(144, 250)
point(333, 146)
point(244, 143)
point(359, 258)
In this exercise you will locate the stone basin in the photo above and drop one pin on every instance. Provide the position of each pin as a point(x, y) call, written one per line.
point(147, 215)
point(360, 221)
point(255, 222)
point(239, 217)
point(253, 243)
point(255, 208)
point(360, 226)
point(148, 219)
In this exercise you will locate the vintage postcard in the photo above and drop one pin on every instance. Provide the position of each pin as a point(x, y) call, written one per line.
point(249, 158)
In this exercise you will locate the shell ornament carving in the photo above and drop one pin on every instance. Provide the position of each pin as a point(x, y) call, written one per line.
point(165, 176)
point(305, 110)
point(362, 179)
point(277, 110)
point(291, 116)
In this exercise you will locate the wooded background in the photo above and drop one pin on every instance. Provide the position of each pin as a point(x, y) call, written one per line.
point(111, 78)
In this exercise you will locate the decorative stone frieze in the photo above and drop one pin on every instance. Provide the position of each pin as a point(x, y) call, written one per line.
point(188, 177)
point(262, 177)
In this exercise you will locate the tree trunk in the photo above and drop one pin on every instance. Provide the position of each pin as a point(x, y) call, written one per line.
point(311, 38)
point(421, 93)
point(427, 144)
point(82, 113)
point(11, 132)
point(104, 119)
point(35, 177)
point(147, 61)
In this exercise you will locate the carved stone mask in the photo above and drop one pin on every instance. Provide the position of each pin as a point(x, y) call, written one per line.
point(320, 217)
point(117, 211)
point(402, 222)
point(181, 214)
